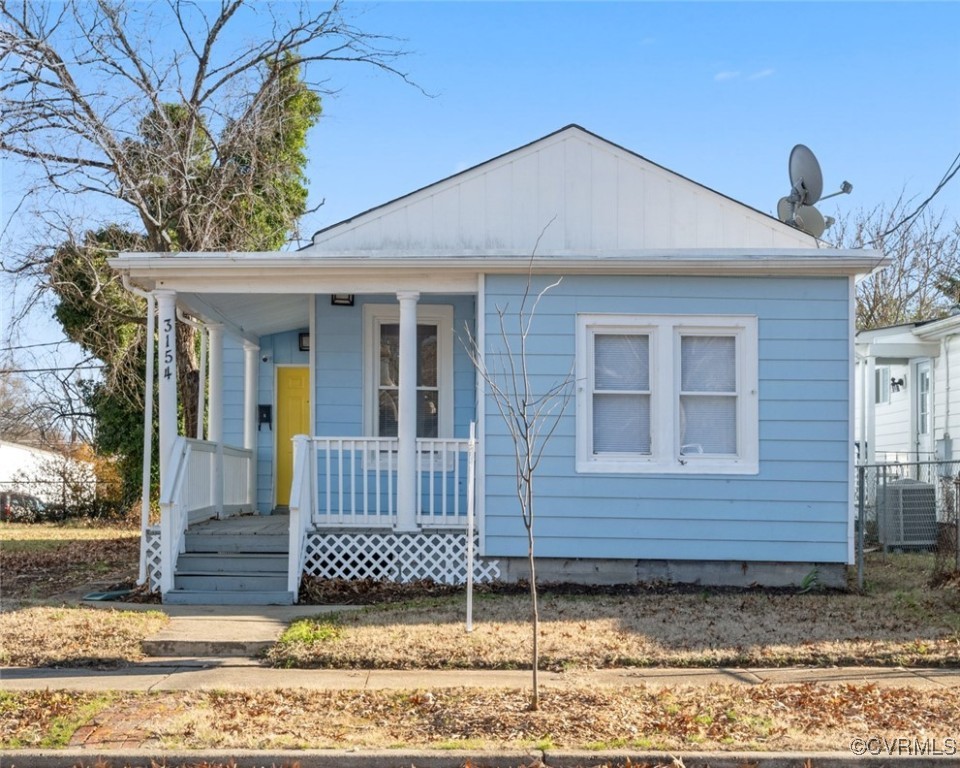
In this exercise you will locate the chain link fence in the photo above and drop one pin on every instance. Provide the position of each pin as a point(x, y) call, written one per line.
point(31, 500)
point(909, 507)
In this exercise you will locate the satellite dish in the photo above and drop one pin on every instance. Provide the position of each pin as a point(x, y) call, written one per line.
point(805, 177)
point(810, 220)
point(803, 217)
point(806, 188)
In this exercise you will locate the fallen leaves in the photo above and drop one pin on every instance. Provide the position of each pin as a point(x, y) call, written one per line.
point(765, 717)
point(76, 637)
point(37, 568)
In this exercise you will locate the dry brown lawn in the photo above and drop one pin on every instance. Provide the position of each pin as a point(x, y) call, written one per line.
point(899, 621)
point(55, 560)
point(44, 569)
point(47, 636)
point(721, 717)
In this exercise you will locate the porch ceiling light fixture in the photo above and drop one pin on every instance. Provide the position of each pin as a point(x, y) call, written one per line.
point(304, 342)
point(341, 299)
point(896, 384)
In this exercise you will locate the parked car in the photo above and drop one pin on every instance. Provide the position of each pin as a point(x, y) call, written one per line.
point(21, 508)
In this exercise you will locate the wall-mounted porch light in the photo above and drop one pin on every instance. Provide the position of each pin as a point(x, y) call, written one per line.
point(896, 384)
point(341, 299)
point(304, 340)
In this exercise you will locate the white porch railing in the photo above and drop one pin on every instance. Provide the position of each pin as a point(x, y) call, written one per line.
point(206, 479)
point(301, 508)
point(356, 482)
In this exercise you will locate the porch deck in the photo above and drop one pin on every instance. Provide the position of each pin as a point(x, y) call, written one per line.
point(244, 525)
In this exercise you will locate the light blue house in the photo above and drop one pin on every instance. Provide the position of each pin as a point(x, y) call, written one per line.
point(707, 437)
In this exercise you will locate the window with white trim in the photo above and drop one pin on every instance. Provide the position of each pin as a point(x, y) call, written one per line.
point(434, 370)
point(667, 394)
point(881, 384)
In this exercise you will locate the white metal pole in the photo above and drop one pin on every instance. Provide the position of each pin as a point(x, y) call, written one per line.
point(471, 480)
point(147, 434)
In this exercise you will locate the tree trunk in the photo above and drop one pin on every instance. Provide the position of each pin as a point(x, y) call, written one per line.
point(534, 608)
point(187, 377)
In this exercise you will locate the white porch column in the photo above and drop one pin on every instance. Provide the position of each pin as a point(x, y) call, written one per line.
point(251, 354)
point(202, 383)
point(407, 417)
point(147, 434)
point(167, 418)
point(215, 404)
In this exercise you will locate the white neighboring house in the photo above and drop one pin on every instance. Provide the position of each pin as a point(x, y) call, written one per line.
point(36, 464)
point(908, 391)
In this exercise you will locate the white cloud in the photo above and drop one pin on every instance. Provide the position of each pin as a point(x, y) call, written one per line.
point(761, 74)
point(726, 75)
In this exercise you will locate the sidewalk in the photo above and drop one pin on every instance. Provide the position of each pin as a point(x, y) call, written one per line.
point(246, 674)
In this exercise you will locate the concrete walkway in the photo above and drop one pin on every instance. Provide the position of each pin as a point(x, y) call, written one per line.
point(246, 674)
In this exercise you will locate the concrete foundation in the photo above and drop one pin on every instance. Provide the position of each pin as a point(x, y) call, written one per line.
point(714, 573)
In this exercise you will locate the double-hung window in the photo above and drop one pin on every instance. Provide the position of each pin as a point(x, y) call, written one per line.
point(667, 394)
point(434, 370)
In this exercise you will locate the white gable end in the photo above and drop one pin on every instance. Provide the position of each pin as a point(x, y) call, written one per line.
point(584, 194)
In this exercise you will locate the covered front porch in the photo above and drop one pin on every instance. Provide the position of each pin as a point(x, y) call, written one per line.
point(367, 457)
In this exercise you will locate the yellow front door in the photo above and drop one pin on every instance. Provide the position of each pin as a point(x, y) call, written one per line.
point(293, 418)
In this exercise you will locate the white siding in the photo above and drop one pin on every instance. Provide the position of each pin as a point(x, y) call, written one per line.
point(600, 197)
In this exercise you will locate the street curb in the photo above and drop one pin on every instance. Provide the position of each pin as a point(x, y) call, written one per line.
point(399, 758)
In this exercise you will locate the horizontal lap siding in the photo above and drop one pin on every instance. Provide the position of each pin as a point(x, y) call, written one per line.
point(233, 394)
point(339, 345)
point(795, 509)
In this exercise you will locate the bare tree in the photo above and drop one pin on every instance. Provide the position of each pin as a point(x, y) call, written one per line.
point(924, 252)
point(531, 415)
point(187, 139)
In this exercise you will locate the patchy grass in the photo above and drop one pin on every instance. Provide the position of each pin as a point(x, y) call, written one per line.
point(45, 719)
point(720, 717)
point(311, 631)
point(899, 620)
point(45, 568)
point(45, 560)
point(44, 636)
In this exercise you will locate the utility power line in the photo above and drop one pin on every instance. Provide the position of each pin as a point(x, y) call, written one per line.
point(52, 370)
point(32, 346)
point(951, 171)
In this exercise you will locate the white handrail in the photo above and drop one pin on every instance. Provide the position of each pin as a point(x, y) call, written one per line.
point(301, 509)
point(207, 479)
point(173, 514)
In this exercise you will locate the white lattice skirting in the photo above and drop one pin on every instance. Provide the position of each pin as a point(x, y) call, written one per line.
point(153, 558)
point(399, 557)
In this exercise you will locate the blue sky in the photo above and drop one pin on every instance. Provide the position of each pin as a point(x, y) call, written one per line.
point(718, 92)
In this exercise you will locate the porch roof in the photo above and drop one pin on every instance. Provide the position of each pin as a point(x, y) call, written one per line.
point(379, 271)
point(257, 293)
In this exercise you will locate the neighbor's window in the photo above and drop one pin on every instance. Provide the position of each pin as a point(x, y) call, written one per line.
point(667, 394)
point(881, 393)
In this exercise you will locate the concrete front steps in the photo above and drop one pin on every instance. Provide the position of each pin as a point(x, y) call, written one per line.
point(236, 561)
